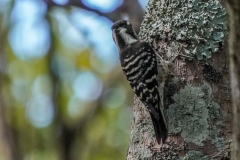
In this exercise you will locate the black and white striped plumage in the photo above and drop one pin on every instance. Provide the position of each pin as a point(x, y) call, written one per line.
point(139, 64)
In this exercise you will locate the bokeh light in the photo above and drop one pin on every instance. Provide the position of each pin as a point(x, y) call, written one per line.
point(103, 5)
point(28, 10)
point(87, 87)
point(60, 2)
point(29, 37)
point(40, 111)
point(29, 40)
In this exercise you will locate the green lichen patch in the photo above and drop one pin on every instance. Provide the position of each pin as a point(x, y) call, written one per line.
point(217, 138)
point(198, 26)
point(189, 115)
point(214, 110)
point(195, 155)
point(192, 112)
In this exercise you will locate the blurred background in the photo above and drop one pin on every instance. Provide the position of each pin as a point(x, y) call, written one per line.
point(63, 95)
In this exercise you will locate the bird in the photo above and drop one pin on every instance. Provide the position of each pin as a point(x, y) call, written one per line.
point(139, 64)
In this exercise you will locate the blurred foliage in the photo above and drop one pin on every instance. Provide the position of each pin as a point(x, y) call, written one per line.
point(62, 95)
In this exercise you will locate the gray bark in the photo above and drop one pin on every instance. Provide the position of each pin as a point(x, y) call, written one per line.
point(233, 8)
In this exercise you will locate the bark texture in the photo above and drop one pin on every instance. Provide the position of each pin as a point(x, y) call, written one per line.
point(233, 8)
point(197, 92)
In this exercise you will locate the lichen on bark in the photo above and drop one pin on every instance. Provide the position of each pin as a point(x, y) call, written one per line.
point(199, 27)
point(192, 112)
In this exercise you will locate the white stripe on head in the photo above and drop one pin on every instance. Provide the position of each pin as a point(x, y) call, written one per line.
point(128, 39)
point(115, 39)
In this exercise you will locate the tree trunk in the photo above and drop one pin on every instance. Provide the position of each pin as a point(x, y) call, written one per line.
point(233, 8)
point(197, 92)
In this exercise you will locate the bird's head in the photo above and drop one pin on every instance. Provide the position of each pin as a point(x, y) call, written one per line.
point(123, 33)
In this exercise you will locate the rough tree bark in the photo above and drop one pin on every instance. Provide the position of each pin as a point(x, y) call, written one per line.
point(197, 93)
point(233, 8)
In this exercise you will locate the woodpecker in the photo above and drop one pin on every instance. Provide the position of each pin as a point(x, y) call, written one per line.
point(139, 64)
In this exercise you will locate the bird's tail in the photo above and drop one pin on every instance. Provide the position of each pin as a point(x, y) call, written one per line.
point(159, 128)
